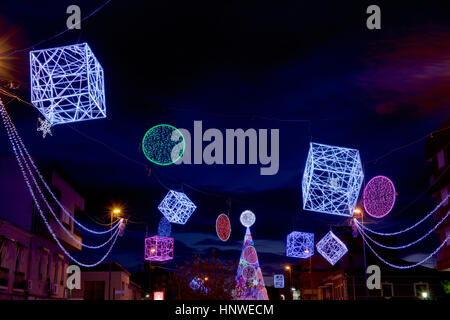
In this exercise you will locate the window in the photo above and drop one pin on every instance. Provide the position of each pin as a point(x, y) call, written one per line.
point(19, 276)
point(422, 290)
point(440, 159)
point(387, 290)
point(4, 275)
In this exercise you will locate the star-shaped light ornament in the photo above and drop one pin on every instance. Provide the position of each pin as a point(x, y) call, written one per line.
point(44, 126)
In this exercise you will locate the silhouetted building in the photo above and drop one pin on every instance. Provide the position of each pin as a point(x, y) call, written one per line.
point(95, 283)
point(438, 152)
point(32, 266)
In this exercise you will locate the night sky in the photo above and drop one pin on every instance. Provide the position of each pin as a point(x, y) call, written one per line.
point(312, 70)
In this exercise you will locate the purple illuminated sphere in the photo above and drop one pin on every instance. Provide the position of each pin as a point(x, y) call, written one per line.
point(379, 196)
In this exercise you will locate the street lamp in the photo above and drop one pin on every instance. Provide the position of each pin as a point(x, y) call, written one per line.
point(152, 250)
point(116, 211)
point(288, 268)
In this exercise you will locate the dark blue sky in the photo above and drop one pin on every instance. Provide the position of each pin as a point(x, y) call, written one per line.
point(233, 65)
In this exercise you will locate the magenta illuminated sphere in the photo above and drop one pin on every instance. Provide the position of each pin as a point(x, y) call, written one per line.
point(379, 196)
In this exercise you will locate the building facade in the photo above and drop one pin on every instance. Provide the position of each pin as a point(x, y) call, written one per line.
point(438, 153)
point(32, 266)
point(95, 283)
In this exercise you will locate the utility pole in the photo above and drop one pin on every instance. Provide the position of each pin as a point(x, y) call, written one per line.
point(110, 264)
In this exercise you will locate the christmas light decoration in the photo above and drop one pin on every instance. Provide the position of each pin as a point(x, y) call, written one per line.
point(164, 227)
point(158, 248)
point(409, 266)
point(67, 84)
point(223, 227)
point(359, 226)
point(249, 272)
point(196, 283)
point(177, 207)
point(163, 144)
point(250, 255)
point(300, 245)
point(249, 280)
point(278, 281)
point(247, 218)
point(411, 227)
point(16, 151)
point(16, 141)
point(331, 248)
point(45, 127)
point(332, 179)
point(379, 196)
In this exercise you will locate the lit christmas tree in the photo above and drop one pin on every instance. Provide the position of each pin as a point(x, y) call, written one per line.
point(249, 278)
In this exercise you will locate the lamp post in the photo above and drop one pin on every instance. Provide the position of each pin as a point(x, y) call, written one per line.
point(359, 214)
point(152, 250)
point(115, 211)
point(310, 272)
point(288, 268)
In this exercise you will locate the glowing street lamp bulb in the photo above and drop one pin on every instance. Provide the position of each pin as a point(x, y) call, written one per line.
point(424, 294)
point(288, 268)
point(357, 211)
point(247, 218)
point(117, 211)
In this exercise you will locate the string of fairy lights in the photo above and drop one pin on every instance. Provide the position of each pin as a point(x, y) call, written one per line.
point(27, 174)
point(34, 180)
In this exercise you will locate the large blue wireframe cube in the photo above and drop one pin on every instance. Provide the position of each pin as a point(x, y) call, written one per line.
point(332, 179)
point(177, 207)
point(331, 248)
point(300, 244)
point(67, 84)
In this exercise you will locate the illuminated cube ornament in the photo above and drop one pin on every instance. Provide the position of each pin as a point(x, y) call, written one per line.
point(177, 207)
point(331, 248)
point(332, 179)
point(67, 84)
point(158, 248)
point(278, 281)
point(300, 245)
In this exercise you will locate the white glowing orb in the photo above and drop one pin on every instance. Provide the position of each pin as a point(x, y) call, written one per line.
point(248, 218)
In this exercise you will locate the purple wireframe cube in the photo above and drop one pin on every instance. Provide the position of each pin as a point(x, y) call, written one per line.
point(300, 244)
point(158, 248)
point(331, 248)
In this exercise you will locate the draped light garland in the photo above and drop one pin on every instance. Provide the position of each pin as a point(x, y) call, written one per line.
point(16, 137)
point(17, 150)
point(360, 226)
point(361, 229)
point(398, 266)
point(411, 227)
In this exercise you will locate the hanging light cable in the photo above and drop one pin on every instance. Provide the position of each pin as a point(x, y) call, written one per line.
point(411, 227)
point(17, 147)
point(63, 209)
point(406, 245)
point(43, 215)
point(404, 267)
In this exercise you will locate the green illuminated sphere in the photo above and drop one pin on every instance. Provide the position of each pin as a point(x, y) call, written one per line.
point(163, 144)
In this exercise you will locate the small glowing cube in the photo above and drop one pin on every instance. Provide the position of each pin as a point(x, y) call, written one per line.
point(300, 245)
point(177, 207)
point(331, 248)
point(158, 248)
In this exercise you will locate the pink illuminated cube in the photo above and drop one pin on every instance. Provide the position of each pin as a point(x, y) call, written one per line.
point(158, 248)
